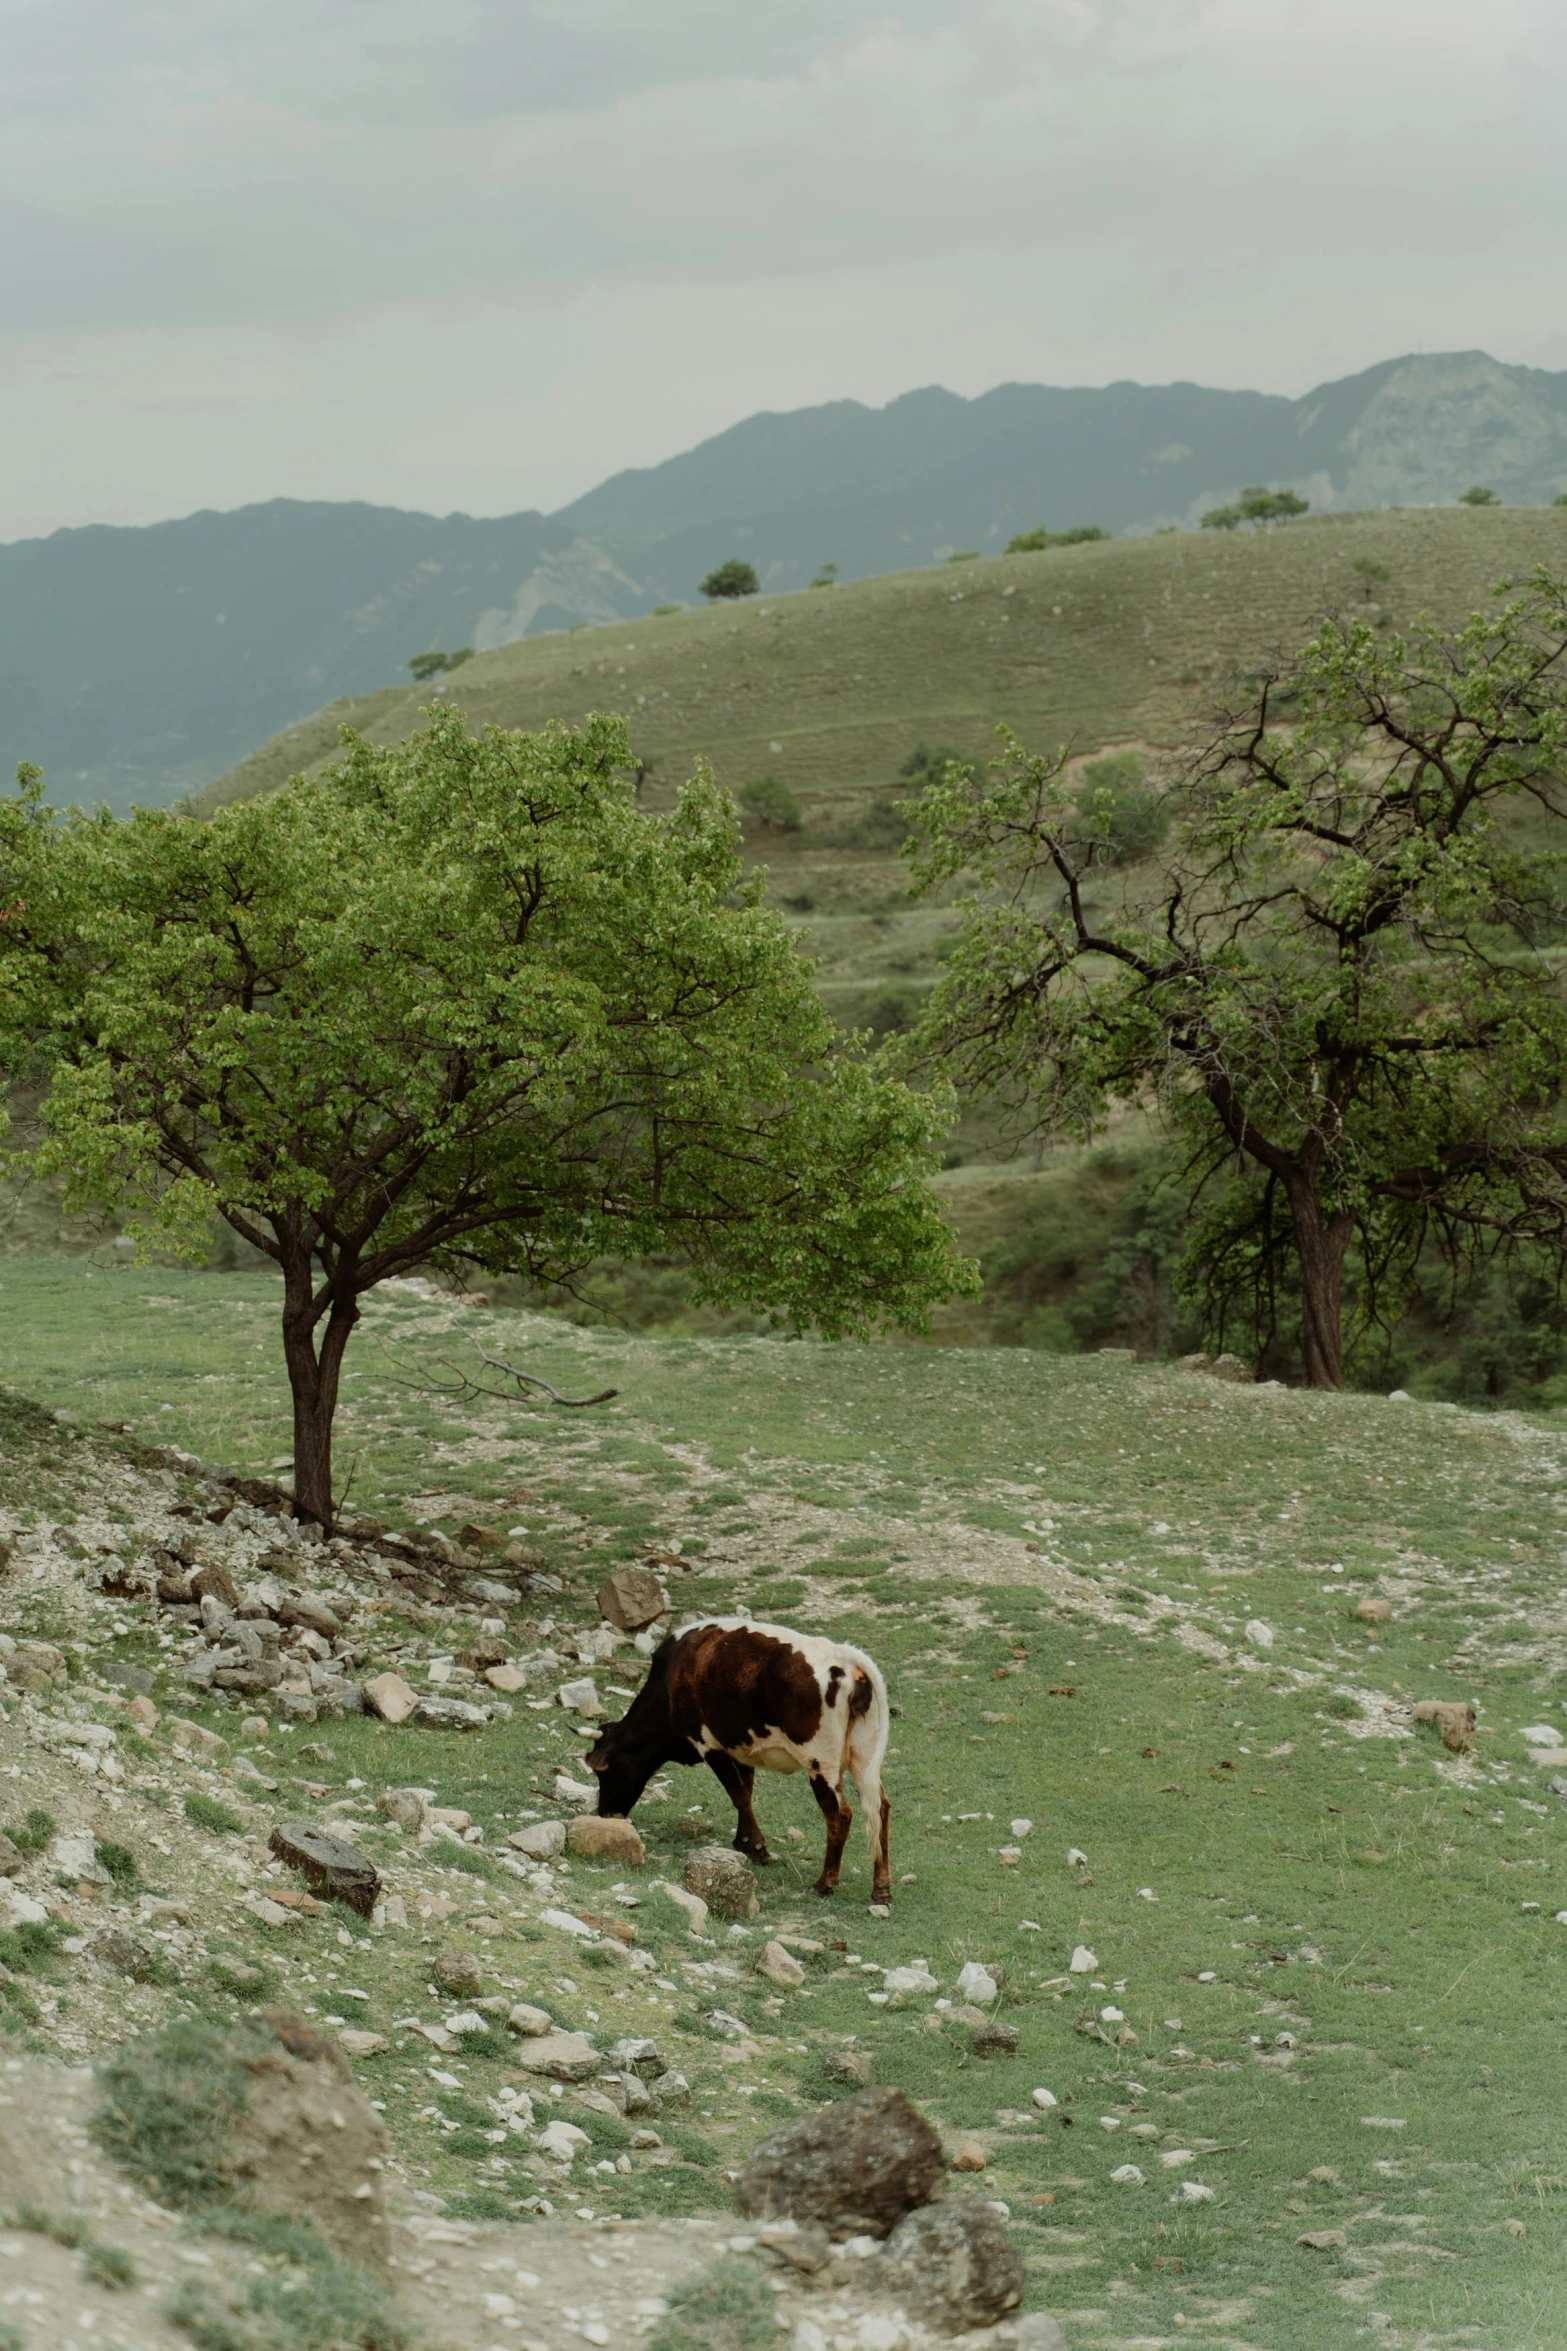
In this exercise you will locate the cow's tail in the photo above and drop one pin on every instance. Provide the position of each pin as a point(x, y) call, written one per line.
point(869, 1732)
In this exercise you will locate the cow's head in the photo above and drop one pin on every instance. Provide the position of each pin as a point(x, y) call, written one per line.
point(623, 1765)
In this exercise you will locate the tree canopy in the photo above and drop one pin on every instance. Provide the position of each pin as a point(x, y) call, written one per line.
point(1339, 980)
point(1256, 505)
point(730, 579)
point(457, 1003)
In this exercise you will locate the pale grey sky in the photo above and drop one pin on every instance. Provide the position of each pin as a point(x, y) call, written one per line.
point(480, 254)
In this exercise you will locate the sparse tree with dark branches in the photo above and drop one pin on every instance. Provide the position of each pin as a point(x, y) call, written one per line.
point(1342, 986)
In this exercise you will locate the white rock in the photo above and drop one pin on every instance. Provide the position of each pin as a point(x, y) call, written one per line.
point(530, 2021)
point(1399, 1396)
point(467, 2020)
point(1112, 2016)
point(1259, 1634)
point(779, 1966)
point(23, 1910)
point(1540, 1734)
point(1146, 1894)
point(878, 2330)
point(914, 1978)
point(1044, 2100)
point(1076, 1858)
point(976, 1983)
point(581, 1697)
point(692, 1904)
point(1082, 1961)
point(1192, 2192)
point(1127, 2175)
point(541, 1840)
point(1021, 1828)
point(808, 2336)
point(562, 2142)
point(1109, 2122)
point(565, 1924)
point(569, 1791)
point(77, 1857)
point(1176, 2157)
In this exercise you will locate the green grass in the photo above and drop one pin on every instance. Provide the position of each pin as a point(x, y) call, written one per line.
point(978, 1519)
point(726, 2307)
point(208, 1813)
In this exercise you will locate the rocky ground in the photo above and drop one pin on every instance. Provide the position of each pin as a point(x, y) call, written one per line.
point(156, 1866)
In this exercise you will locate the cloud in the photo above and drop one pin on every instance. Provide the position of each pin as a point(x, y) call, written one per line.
point(322, 189)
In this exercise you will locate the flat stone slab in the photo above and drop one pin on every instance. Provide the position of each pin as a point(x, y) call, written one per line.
point(564, 2057)
point(329, 1865)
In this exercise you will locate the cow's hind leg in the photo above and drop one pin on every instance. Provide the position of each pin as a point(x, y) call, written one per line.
point(839, 1819)
point(737, 1779)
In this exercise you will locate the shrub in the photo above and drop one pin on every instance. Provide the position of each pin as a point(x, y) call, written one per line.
point(660, 610)
point(1478, 495)
point(431, 665)
point(171, 2100)
point(207, 1813)
point(771, 803)
point(34, 1832)
point(730, 579)
point(879, 824)
point(1255, 505)
point(121, 1864)
point(728, 2307)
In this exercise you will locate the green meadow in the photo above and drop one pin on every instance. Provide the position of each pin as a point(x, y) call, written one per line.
point(1114, 1601)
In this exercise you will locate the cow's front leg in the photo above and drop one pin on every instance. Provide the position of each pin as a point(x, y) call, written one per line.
point(738, 1779)
point(839, 1821)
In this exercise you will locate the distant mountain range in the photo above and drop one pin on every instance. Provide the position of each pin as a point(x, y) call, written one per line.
point(136, 664)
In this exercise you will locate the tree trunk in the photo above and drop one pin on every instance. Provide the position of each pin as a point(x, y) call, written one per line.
point(1322, 1243)
point(313, 1371)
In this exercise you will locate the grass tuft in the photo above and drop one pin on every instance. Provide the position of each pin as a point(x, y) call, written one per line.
point(725, 2308)
point(171, 2099)
point(207, 1813)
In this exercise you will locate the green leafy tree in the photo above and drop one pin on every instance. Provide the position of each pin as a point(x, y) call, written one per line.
point(771, 803)
point(1339, 981)
point(433, 665)
point(1036, 541)
point(731, 579)
point(459, 1003)
point(1478, 495)
point(1120, 819)
point(826, 576)
point(1256, 505)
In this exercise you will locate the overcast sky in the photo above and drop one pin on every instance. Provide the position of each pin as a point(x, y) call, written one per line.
point(481, 253)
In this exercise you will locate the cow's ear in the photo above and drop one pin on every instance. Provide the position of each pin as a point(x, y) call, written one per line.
point(597, 1760)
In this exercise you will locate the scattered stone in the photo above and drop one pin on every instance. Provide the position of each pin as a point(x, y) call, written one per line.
point(449, 1714)
point(955, 2264)
point(76, 1858)
point(671, 2089)
point(390, 1697)
point(576, 1792)
point(215, 1583)
point(356, 2043)
point(409, 1807)
point(531, 2021)
point(916, 1977)
point(631, 1597)
point(722, 1879)
point(123, 1676)
point(968, 2155)
point(196, 1739)
point(607, 1839)
point(992, 2039)
point(850, 2065)
point(1230, 1367)
point(1322, 2240)
point(562, 2142)
point(1082, 1961)
point(328, 1864)
point(541, 1840)
point(1258, 1632)
point(297, 1706)
point(564, 2057)
point(458, 1972)
point(779, 1966)
point(581, 1698)
point(641, 2057)
point(1373, 1610)
point(976, 1983)
point(11, 1859)
point(507, 1679)
point(254, 1726)
point(142, 1712)
point(1128, 2175)
point(1044, 2099)
point(118, 1952)
point(1453, 1719)
point(857, 2165)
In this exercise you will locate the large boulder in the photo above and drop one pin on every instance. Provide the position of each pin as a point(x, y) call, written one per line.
point(608, 1839)
point(955, 2264)
point(722, 1879)
point(855, 2167)
point(329, 1865)
point(631, 1597)
point(541, 1840)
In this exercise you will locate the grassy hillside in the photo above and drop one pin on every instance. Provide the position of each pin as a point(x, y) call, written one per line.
point(1117, 1607)
point(1124, 642)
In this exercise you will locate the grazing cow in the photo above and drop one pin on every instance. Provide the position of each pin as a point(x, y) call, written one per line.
point(740, 1697)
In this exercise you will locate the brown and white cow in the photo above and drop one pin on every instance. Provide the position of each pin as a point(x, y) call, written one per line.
point(744, 1697)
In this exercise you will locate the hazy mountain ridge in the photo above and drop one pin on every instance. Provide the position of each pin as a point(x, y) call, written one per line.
point(137, 664)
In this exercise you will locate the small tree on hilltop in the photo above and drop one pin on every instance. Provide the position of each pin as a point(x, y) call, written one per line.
point(1341, 986)
point(731, 579)
point(1256, 505)
point(459, 1003)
